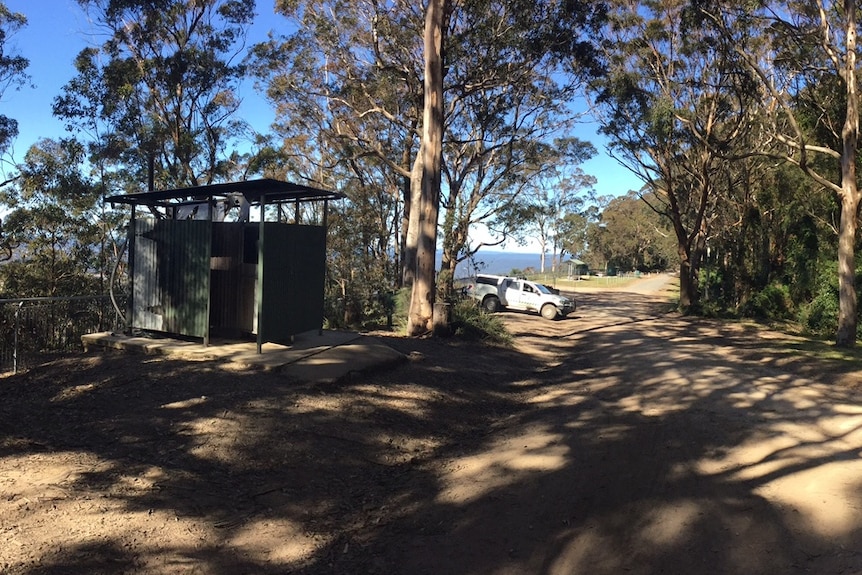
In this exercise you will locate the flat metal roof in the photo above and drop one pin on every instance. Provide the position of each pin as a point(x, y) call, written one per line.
point(275, 191)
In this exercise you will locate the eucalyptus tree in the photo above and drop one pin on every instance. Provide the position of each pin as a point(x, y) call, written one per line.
point(633, 236)
point(805, 57)
point(351, 79)
point(347, 87)
point(552, 212)
point(508, 118)
point(420, 317)
point(673, 104)
point(158, 98)
point(54, 218)
point(12, 70)
point(12, 76)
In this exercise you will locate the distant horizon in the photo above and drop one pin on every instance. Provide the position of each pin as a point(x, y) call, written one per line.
point(500, 262)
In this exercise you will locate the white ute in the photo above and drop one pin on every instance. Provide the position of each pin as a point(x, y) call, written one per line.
point(497, 292)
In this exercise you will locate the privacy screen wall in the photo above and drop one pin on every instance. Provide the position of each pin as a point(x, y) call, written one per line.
point(198, 278)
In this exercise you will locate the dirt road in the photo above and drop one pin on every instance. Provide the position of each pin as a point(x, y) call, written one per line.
point(622, 440)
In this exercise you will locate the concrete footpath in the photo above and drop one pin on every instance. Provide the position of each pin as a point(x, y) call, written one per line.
point(326, 356)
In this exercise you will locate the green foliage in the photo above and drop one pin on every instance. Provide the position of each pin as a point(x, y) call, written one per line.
point(12, 69)
point(402, 307)
point(820, 316)
point(772, 302)
point(471, 322)
point(55, 233)
point(631, 236)
point(161, 91)
point(361, 270)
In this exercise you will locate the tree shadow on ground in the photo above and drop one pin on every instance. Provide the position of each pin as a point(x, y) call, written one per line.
point(650, 444)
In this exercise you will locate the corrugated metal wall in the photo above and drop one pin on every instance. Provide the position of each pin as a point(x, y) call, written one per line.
point(172, 276)
point(293, 280)
point(192, 274)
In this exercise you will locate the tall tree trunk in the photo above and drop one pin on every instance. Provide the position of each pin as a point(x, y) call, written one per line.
point(454, 240)
point(846, 334)
point(412, 207)
point(422, 295)
point(687, 285)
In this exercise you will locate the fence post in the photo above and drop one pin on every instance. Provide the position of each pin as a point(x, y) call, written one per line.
point(15, 346)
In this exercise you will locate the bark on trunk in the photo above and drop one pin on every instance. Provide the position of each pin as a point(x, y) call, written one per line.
point(687, 291)
point(446, 281)
point(846, 333)
point(422, 295)
point(413, 208)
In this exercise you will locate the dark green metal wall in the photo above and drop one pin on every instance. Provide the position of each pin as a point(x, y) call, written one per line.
point(293, 280)
point(172, 276)
point(190, 275)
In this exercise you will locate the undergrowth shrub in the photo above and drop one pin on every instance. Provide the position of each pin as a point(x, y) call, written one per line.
point(772, 302)
point(469, 321)
point(400, 310)
point(820, 316)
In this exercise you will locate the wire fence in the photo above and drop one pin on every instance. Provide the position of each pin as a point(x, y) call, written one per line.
point(33, 329)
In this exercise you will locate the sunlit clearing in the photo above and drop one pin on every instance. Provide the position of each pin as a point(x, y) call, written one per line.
point(215, 438)
point(274, 540)
point(503, 463)
point(808, 468)
point(816, 499)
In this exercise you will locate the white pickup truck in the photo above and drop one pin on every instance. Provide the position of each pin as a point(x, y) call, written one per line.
point(497, 292)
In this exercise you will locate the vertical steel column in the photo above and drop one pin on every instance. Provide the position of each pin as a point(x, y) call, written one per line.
point(130, 305)
point(325, 251)
point(259, 287)
point(212, 206)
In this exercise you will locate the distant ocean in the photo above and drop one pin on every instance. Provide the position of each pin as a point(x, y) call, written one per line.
point(495, 262)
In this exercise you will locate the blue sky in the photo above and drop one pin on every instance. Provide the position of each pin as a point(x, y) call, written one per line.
point(58, 29)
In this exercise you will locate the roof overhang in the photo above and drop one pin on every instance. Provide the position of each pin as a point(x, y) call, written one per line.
point(265, 190)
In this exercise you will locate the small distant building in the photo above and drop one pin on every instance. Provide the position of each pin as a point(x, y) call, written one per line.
point(203, 269)
point(577, 268)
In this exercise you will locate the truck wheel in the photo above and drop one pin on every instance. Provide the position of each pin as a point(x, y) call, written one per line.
point(491, 304)
point(549, 311)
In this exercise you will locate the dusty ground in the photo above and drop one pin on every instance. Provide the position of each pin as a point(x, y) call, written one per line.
point(621, 440)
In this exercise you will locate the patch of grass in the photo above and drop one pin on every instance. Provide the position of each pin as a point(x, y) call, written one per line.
point(566, 284)
point(822, 350)
point(800, 343)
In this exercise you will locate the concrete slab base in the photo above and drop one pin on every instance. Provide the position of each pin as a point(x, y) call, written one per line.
point(324, 356)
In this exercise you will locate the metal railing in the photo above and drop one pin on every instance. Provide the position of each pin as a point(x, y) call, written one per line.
point(31, 329)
